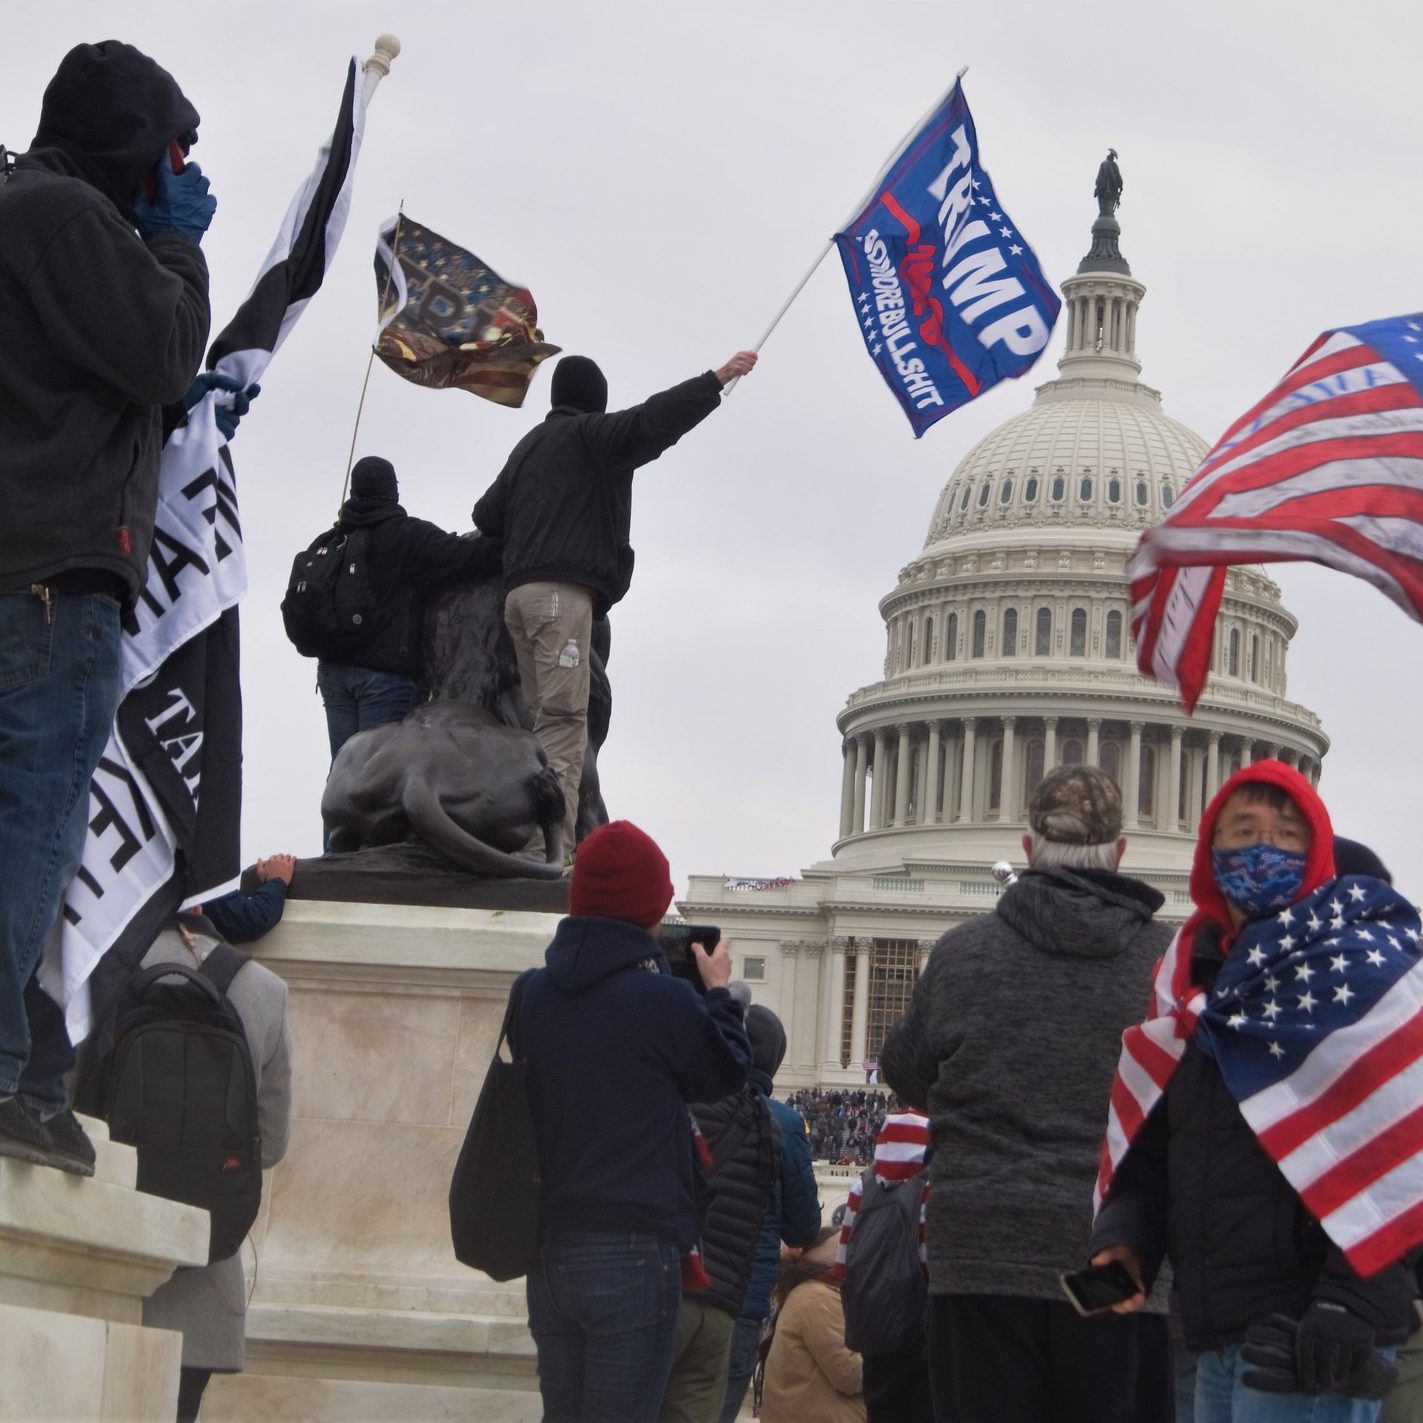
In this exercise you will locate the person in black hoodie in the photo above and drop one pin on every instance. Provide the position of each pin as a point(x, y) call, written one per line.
point(562, 505)
point(406, 558)
point(1009, 1046)
point(616, 1050)
point(103, 320)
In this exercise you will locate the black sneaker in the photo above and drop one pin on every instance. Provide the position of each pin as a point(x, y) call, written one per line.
point(22, 1135)
point(70, 1149)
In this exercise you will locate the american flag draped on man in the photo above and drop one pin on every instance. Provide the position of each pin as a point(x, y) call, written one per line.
point(166, 799)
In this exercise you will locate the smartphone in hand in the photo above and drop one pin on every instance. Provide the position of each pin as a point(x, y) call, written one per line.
point(676, 940)
point(1098, 1288)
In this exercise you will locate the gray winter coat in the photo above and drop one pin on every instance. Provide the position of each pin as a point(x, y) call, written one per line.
point(208, 1303)
point(1010, 1044)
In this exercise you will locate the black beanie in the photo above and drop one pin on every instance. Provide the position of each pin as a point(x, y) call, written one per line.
point(1353, 857)
point(578, 382)
point(374, 478)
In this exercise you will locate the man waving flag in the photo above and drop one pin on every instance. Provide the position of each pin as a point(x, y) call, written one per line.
point(1328, 467)
point(166, 800)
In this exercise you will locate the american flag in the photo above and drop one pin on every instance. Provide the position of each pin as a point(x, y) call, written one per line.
point(1327, 467)
point(1316, 1024)
point(900, 1148)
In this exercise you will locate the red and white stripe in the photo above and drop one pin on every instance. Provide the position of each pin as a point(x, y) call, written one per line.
point(900, 1148)
point(1345, 1128)
point(1327, 467)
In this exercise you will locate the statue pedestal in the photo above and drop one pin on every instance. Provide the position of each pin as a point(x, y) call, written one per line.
point(359, 1309)
point(77, 1258)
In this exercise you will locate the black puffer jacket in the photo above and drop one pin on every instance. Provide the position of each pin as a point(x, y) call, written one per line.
point(1241, 1245)
point(408, 557)
point(562, 504)
point(744, 1140)
point(98, 329)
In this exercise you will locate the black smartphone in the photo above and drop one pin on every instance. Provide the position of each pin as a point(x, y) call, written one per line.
point(1096, 1289)
point(676, 940)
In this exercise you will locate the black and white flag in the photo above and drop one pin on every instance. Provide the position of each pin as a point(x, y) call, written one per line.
point(165, 804)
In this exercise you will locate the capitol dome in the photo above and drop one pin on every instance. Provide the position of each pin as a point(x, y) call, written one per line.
point(1009, 648)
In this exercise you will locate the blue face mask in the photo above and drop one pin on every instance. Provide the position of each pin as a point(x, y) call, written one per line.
point(1258, 878)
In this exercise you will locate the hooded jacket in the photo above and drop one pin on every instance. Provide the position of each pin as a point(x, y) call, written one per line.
point(794, 1212)
point(98, 329)
point(1198, 1187)
point(617, 1048)
point(407, 557)
point(562, 504)
point(1009, 1045)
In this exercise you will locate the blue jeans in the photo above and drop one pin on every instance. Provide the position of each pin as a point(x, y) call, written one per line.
point(59, 689)
point(603, 1313)
point(745, 1340)
point(1222, 1398)
point(358, 698)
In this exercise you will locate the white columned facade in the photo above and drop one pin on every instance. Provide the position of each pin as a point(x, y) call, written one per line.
point(966, 785)
point(877, 786)
point(1094, 741)
point(847, 789)
point(901, 776)
point(859, 1017)
point(932, 789)
point(833, 1005)
point(1132, 789)
point(1173, 797)
point(1008, 793)
point(810, 1030)
point(1049, 744)
point(862, 762)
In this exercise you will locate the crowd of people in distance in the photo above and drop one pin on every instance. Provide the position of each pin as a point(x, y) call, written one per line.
point(842, 1126)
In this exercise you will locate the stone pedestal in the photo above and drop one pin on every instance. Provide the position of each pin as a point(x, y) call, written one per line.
point(77, 1258)
point(359, 1309)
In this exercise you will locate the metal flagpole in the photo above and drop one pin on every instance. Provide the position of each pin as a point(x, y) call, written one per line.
point(373, 71)
point(854, 212)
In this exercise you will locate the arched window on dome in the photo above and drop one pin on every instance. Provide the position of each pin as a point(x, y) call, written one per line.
point(1005, 494)
point(1009, 644)
point(1033, 758)
point(1142, 494)
point(1084, 490)
point(1232, 657)
point(1167, 497)
point(1114, 634)
point(1042, 634)
point(1057, 489)
point(983, 491)
point(967, 494)
point(1030, 490)
point(1077, 646)
point(1072, 752)
point(951, 637)
point(995, 774)
point(909, 646)
point(928, 641)
point(980, 632)
point(1114, 491)
point(1252, 661)
point(1109, 754)
point(1146, 783)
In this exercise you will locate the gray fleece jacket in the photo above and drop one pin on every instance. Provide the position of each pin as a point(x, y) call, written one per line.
point(1010, 1045)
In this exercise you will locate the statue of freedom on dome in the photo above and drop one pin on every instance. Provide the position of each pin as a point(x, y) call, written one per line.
point(1108, 191)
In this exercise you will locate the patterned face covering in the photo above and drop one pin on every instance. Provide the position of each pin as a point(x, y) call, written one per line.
point(1258, 878)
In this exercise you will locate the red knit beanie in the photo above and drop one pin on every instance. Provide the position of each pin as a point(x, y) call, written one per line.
point(619, 873)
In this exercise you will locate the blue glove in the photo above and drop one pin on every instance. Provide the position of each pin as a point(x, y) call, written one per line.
point(182, 205)
point(226, 416)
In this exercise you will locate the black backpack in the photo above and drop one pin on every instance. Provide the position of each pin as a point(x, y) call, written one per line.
point(179, 1085)
point(330, 598)
point(885, 1291)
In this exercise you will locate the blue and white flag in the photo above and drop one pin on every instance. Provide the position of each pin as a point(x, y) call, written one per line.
point(165, 802)
point(949, 294)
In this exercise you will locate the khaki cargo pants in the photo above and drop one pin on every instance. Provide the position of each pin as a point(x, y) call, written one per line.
point(551, 625)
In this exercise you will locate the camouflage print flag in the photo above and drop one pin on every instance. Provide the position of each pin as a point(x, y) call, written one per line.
point(446, 319)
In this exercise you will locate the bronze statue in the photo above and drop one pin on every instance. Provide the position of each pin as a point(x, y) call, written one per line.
point(1108, 191)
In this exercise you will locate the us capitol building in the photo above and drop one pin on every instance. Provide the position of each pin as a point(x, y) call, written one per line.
point(1009, 652)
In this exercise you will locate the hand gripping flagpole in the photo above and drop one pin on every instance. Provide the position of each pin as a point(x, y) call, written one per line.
point(889, 163)
point(374, 70)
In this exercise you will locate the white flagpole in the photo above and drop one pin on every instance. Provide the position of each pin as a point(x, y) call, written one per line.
point(855, 211)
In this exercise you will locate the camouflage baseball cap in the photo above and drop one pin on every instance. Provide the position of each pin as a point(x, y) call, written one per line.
point(1076, 805)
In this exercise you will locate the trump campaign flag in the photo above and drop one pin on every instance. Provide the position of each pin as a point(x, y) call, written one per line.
point(948, 293)
point(165, 803)
point(448, 319)
point(1328, 467)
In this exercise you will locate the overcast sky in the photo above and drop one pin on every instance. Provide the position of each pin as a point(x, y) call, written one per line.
point(660, 176)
